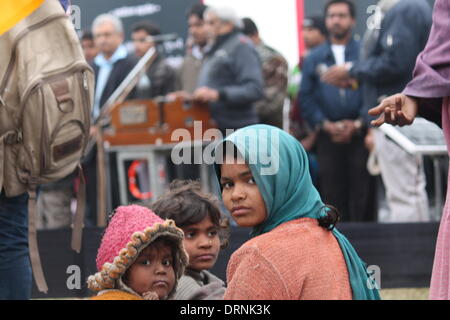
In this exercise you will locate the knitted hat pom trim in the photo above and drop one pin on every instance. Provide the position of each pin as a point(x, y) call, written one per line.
point(111, 272)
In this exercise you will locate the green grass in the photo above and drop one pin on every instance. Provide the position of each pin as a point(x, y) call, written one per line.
point(405, 294)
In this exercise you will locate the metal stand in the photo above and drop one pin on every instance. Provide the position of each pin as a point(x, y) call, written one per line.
point(154, 155)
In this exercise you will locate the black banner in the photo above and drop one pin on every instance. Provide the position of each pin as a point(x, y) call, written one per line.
point(169, 15)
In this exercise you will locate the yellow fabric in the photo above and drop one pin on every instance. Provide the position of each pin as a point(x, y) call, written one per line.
point(116, 295)
point(11, 12)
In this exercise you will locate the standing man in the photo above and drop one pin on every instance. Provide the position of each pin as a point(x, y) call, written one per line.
point(337, 113)
point(15, 267)
point(231, 78)
point(314, 34)
point(111, 66)
point(198, 37)
point(427, 95)
point(387, 61)
point(88, 45)
point(275, 73)
point(113, 63)
point(159, 79)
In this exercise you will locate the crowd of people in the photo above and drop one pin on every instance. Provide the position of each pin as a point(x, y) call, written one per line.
point(164, 250)
point(331, 90)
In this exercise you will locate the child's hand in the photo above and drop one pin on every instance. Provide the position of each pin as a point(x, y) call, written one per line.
point(150, 295)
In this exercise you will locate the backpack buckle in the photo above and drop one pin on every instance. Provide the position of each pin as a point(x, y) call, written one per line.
point(12, 137)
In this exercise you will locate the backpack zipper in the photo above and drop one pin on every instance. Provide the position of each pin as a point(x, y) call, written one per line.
point(78, 66)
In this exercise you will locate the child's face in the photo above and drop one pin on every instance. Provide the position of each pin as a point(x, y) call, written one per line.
point(202, 243)
point(241, 195)
point(152, 270)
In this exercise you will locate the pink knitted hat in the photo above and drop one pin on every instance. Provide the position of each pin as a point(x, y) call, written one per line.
point(131, 230)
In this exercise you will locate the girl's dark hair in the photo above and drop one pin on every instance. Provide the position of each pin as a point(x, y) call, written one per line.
point(331, 219)
point(186, 204)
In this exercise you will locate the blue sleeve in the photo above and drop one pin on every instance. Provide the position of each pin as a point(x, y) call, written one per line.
point(307, 102)
point(249, 85)
point(401, 40)
point(65, 4)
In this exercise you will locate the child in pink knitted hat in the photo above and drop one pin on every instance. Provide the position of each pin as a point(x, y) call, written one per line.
point(141, 257)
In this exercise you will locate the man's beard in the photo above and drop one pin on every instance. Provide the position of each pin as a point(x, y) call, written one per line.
point(341, 34)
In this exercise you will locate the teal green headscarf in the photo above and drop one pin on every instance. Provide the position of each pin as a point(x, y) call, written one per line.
point(280, 168)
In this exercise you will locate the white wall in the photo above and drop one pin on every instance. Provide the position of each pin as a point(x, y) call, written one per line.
point(276, 21)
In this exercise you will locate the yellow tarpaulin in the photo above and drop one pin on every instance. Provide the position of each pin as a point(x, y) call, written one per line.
point(12, 11)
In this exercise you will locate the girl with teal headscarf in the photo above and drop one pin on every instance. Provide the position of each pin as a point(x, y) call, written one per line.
point(296, 252)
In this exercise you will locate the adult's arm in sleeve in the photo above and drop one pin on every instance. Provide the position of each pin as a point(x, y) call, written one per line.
point(306, 101)
point(401, 41)
point(249, 85)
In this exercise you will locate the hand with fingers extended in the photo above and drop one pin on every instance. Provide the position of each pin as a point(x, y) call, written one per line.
point(399, 109)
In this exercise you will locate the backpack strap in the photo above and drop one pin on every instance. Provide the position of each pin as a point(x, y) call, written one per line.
point(2, 159)
point(32, 242)
point(101, 181)
point(78, 224)
point(9, 137)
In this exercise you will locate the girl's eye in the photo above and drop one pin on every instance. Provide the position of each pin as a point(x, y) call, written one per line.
point(146, 262)
point(227, 185)
point(212, 233)
point(189, 235)
point(251, 180)
point(167, 263)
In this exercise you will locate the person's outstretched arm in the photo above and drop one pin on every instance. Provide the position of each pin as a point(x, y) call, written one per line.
point(431, 79)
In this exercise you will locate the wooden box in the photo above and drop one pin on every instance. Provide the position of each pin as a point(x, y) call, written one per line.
point(140, 122)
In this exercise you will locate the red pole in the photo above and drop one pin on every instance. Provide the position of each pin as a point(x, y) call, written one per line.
point(300, 18)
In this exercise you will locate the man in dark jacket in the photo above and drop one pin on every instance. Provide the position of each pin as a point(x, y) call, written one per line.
point(111, 67)
point(231, 78)
point(195, 46)
point(338, 113)
point(112, 64)
point(159, 79)
point(397, 35)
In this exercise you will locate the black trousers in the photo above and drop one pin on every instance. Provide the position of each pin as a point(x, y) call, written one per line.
point(344, 180)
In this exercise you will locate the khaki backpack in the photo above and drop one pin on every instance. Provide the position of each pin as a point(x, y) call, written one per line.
point(46, 94)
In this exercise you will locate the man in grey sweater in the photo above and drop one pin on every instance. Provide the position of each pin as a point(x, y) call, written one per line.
point(231, 78)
